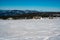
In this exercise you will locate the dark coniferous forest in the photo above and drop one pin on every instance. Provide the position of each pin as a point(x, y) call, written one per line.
point(26, 14)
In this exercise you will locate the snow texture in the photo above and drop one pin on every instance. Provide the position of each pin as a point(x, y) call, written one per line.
point(30, 29)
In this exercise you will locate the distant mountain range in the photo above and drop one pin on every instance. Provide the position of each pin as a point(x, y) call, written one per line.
point(15, 12)
point(26, 13)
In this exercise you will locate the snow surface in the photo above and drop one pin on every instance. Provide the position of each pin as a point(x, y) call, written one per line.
point(30, 29)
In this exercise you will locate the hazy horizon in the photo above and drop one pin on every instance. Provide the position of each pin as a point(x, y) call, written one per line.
point(40, 5)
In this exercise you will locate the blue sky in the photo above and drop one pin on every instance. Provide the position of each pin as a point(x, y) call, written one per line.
point(41, 5)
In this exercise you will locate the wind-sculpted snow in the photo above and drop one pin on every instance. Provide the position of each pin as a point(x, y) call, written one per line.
point(30, 29)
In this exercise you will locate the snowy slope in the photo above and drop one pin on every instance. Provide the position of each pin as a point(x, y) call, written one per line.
point(30, 29)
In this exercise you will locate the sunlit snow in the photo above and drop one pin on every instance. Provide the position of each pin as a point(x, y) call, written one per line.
point(30, 29)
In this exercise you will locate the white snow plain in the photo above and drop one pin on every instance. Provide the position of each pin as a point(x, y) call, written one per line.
point(30, 29)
